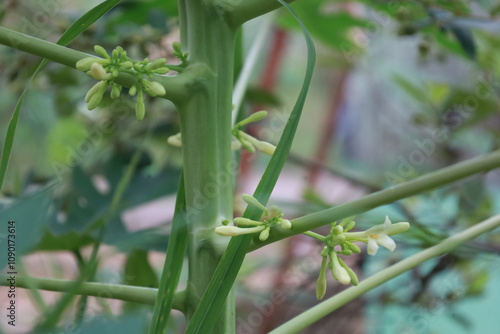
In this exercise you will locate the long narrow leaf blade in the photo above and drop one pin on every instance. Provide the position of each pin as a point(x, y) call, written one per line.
point(208, 310)
point(70, 34)
point(173, 265)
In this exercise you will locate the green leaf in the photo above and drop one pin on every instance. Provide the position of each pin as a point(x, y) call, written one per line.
point(465, 38)
point(138, 270)
point(222, 281)
point(68, 241)
point(27, 213)
point(173, 265)
point(70, 34)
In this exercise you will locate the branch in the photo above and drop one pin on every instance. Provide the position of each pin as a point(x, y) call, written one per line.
point(245, 10)
point(176, 86)
point(426, 182)
point(127, 293)
point(323, 309)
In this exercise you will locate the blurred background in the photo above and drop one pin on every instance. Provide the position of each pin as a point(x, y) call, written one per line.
point(400, 88)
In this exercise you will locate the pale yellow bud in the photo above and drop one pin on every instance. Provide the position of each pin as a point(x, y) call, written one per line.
point(98, 72)
point(155, 87)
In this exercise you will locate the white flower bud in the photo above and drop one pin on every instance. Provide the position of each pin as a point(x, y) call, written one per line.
point(339, 272)
point(286, 224)
point(232, 231)
point(264, 234)
point(175, 140)
point(155, 87)
point(98, 72)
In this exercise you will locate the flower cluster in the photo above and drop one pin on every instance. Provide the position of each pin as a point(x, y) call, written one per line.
point(271, 216)
point(108, 68)
point(248, 142)
point(241, 139)
point(341, 242)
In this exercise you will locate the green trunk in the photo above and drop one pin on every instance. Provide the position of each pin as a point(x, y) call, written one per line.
point(206, 135)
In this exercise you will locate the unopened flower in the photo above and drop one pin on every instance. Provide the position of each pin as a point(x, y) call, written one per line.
point(321, 282)
point(232, 231)
point(155, 87)
point(264, 234)
point(101, 85)
point(140, 108)
point(101, 51)
point(96, 95)
point(175, 140)
point(115, 90)
point(98, 72)
point(262, 146)
point(85, 63)
point(338, 271)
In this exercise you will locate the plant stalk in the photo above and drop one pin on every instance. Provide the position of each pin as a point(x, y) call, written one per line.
point(206, 143)
point(426, 182)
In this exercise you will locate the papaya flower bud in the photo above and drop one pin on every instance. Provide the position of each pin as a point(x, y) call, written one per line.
point(353, 247)
point(127, 65)
point(85, 63)
point(133, 90)
point(157, 63)
point(162, 70)
point(98, 86)
point(250, 200)
point(115, 91)
point(156, 87)
point(256, 116)
point(177, 47)
point(231, 231)
point(286, 224)
point(98, 72)
point(101, 51)
point(241, 221)
point(235, 145)
point(264, 234)
point(265, 147)
point(140, 108)
point(175, 140)
point(262, 146)
point(352, 274)
point(338, 272)
point(96, 97)
point(321, 282)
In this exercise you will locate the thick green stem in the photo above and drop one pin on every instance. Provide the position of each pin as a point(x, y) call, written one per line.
point(414, 187)
point(206, 142)
point(321, 310)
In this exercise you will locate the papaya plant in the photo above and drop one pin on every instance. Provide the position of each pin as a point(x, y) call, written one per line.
point(205, 81)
